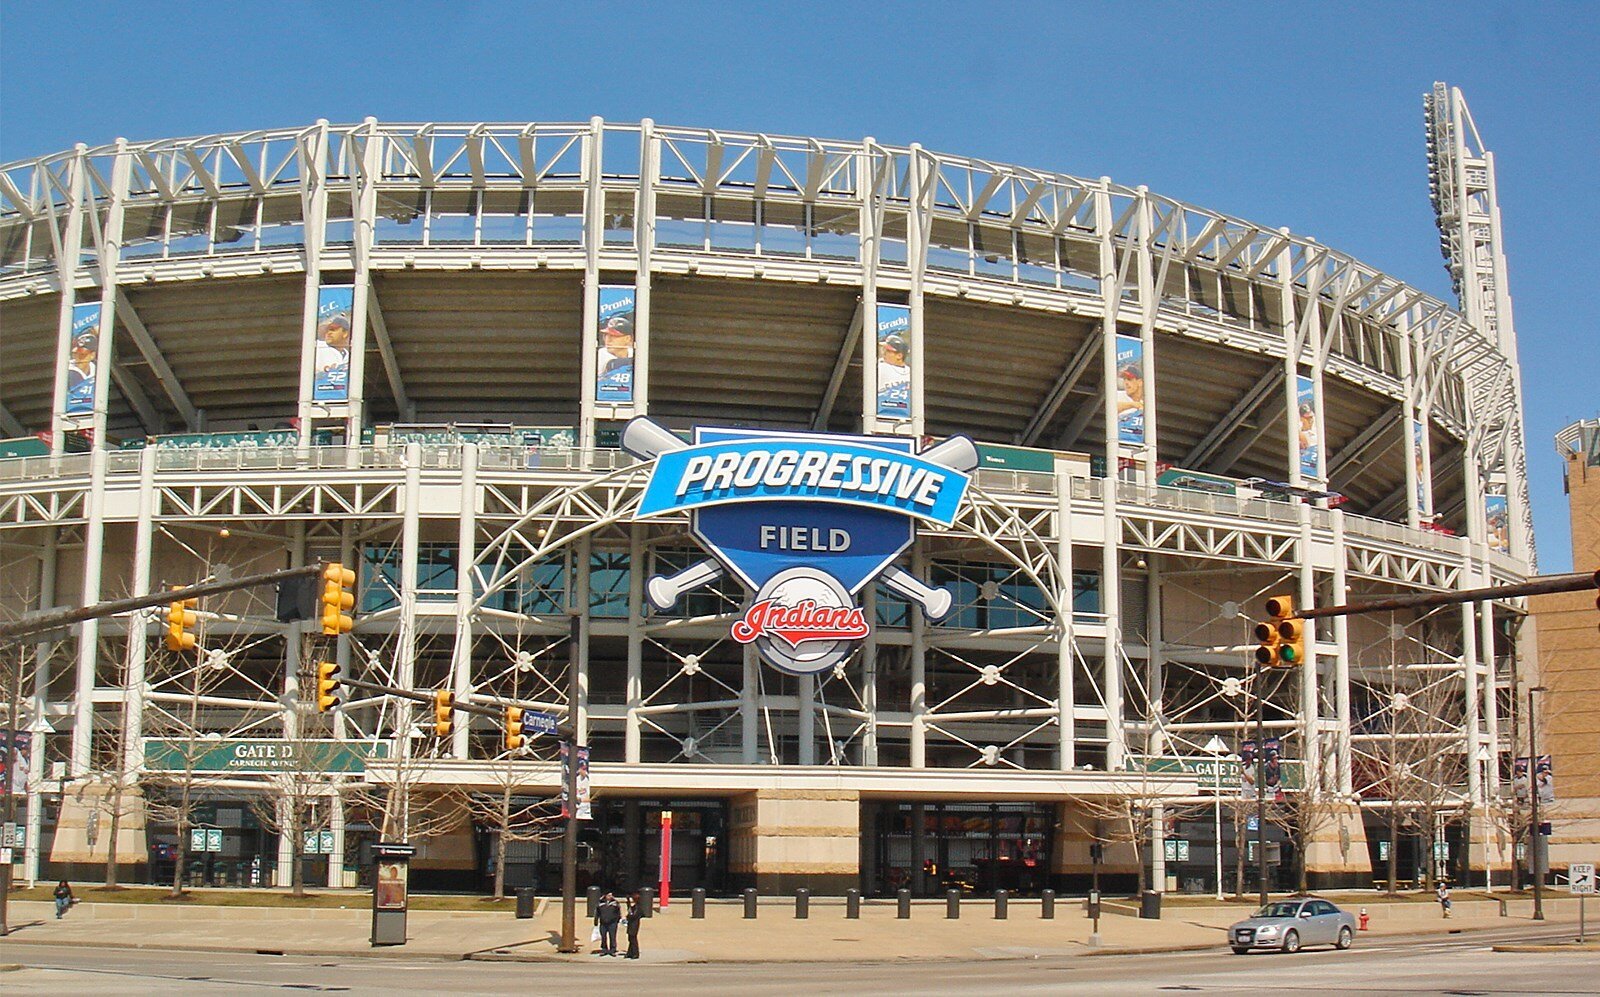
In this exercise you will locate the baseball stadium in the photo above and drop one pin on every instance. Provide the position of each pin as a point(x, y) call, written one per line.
point(463, 359)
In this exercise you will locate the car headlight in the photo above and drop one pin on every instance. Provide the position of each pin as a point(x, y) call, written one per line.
point(1268, 930)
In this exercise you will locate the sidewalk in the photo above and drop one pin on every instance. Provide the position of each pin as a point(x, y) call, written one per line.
point(673, 936)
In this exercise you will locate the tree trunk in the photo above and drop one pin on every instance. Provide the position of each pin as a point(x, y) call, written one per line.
point(297, 871)
point(1394, 847)
point(182, 856)
point(111, 849)
point(1238, 852)
point(500, 846)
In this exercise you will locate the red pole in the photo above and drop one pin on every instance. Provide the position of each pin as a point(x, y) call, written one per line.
point(666, 858)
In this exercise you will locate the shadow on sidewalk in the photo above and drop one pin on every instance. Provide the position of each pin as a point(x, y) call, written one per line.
point(552, 940)
point(24, 926)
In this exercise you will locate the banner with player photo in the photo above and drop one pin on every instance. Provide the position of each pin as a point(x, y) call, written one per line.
point(1497, 523)
point(330, 378)
point(1271, 769)
point(613, 370)
point(15, 746)
point(1310, 435)
point(83, 359)
point(1130, 390)
point(894, 361)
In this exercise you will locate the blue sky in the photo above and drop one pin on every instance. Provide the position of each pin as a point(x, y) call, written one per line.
point(1286, 114)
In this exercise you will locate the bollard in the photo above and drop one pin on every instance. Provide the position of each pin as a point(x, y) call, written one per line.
point(952, 904)
point(697, 903)
point(1002, 904)
point(852, 904)
point(902, 900)
point(593, 895)
point(1047, 905)
point(802, 904)
point(647, 902)
point(750, 903)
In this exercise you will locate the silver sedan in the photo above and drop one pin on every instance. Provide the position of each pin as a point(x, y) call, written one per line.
point(1288, 925)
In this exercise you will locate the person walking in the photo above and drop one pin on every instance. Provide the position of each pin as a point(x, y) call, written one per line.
point(635, 915)
point(64, 899)
point(1443, 893)
point(607, 913)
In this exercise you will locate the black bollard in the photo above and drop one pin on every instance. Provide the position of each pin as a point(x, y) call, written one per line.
point(902, 899)
point(1002, 903)
point(647, 902)
point(852, 904)
point(952, 904)
point(802, 904)
point(593, 894)
point(1047, 905)
point(697, 900)
point(750, 904)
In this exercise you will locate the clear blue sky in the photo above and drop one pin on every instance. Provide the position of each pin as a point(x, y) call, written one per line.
point(1286, 114)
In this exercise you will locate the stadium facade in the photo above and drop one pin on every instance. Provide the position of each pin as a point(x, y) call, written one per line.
point(413, 348)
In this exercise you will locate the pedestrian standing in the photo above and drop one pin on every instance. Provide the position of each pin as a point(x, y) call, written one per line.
point(64, 898)
point(635, 914)
point(1443, 893)
point(606, 916)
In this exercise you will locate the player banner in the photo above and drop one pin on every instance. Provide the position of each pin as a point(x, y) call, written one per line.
point(84, 361)
point(575, 756)
point(1310, 437)
point(1497, 523)
point(613, 369)
point(1271, 769)
point(894, 356)
point(15, 746)
point(1544, 778)
point(330, 379)
point(1130, 390)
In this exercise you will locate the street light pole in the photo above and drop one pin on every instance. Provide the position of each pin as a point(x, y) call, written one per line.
point(569, 781)
point(1536, 853)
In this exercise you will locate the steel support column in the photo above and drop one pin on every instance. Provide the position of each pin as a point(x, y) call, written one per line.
point(466, 552)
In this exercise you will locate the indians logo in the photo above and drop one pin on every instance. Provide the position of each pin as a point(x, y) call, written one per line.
point(805, 521)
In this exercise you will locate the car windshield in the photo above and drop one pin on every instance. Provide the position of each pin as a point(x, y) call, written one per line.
point(1279, 910)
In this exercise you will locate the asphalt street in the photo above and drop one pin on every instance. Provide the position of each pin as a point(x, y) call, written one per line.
point(1452, 964)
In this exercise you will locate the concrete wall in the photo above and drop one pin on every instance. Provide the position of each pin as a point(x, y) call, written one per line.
point(786, 839)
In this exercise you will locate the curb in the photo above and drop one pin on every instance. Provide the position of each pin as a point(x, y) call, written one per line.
point(385, 952)
point(1155, 949)
point(1566, 947)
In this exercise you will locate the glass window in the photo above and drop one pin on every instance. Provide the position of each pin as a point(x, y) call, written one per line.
point(608, 585)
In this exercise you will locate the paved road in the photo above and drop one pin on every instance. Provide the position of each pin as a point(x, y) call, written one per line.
point(1460, 964)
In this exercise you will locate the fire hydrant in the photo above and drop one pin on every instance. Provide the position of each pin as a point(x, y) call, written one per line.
point(1365, 917)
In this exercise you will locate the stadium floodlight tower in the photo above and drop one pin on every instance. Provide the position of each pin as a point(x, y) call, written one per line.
point(1461, 185)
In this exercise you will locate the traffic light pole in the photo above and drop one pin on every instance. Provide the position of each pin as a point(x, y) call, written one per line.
point(1261, 781)
point(1534, 851)
point(569, 780)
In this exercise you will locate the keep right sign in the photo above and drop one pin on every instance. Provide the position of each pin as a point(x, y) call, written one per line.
point(1580, 877)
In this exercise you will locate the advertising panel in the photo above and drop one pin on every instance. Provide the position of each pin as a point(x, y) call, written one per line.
point(1544, 778)
point(613, 369)
point(894, 361)
point(1130, 390)
point(14, 748)
point(84, 360)
point(1497, 523)
point(1310, 436)
point(330, 379)
point(804, 521)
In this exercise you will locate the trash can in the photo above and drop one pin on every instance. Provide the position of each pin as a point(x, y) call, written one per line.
point(647, 902)
point(1150, 905)
point(524, 903)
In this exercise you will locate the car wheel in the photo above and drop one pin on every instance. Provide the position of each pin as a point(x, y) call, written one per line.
point(1239, 951)
point(1345, 938)
point(1291, 942)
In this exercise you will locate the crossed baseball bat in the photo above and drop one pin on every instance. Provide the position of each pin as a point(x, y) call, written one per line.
point(648, 440)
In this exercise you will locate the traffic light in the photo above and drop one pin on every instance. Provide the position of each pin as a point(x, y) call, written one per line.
point(514, 736)
point(444, 707)
point(1280, 641)
point(327, 685)
point(338, 602)
point(180, 620)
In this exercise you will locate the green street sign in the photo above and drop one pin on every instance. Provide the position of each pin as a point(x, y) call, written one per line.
point(261, 756)
point(1204, 769)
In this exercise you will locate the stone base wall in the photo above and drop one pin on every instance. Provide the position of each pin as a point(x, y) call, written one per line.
point(783, 840)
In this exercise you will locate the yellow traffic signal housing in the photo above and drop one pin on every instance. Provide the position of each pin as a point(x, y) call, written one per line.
point(1267, 641)
point(338, 601)
point(514, 736)
point(327, 685)
point(1292, 642)
point(181, 619)
point(444, 706)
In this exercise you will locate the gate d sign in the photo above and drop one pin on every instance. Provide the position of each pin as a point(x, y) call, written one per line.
point(805, 521)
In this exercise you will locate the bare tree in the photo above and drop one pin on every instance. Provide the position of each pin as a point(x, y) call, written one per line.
point(513, 816)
